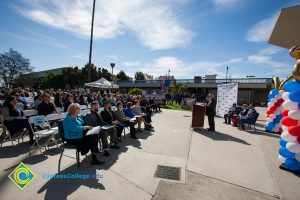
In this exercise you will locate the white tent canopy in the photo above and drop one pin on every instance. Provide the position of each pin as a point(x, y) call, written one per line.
point(101, 83)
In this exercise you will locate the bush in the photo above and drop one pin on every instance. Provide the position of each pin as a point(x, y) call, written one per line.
point(135, 91)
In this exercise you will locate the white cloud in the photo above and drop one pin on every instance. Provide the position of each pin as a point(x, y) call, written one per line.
point(265, 60)
point(79, 56)
point(261, 31)
point(131, 63)
point(270, 50)
point(182, 69)
point(38, 40)
point(153, 22)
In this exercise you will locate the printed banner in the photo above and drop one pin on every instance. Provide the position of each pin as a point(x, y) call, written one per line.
point(165, 84)
point(227, 95)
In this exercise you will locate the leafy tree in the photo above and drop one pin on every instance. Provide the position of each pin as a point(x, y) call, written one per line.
point(85, 72)
point(139, 76)
point(122, 76)
point(104, 73)
point(178, 88)
point(135, 91)
point(73, 77)
point(13, 64)
point(149, 76)
point(52, 81)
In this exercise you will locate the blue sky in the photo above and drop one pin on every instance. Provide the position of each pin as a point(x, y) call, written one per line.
point(189, 37)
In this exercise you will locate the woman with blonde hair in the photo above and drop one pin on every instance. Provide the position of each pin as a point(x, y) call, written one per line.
point(75, 133)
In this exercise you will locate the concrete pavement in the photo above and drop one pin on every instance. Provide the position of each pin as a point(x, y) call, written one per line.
point(227, 164)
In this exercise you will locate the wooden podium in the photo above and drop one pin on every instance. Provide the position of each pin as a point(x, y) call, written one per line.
point(198, 116)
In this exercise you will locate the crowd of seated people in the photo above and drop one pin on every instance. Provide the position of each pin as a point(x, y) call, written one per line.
point(128, 111)
point(241, 116)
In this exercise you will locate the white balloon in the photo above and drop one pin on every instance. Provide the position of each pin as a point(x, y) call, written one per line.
point(267, 123)
point(289, 105)
point(272, 116)
point(293, 147)
point(282, 159)
point(273, 100)
point(270, 104)
point(277, 112)
point(276, 129)
point(280, 108)
point(281, 92)
point(288, 137)
point(285, 95)
point(279, 125)
point(297, 157)
point(269, 120)
point(285, 128)
point(294, 114)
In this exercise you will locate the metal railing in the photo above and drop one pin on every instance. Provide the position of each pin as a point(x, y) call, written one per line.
point(197, 81)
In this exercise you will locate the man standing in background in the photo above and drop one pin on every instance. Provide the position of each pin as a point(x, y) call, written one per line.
point(211, 111)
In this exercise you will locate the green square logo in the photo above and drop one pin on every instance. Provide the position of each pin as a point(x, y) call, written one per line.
point(22, 176)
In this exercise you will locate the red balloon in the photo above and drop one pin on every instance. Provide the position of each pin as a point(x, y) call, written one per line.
point(280, 130)
point(272, 108)
point(287, 121)
point(280, 101)
point(294, 130)
point(277, 104)
point(285, 112)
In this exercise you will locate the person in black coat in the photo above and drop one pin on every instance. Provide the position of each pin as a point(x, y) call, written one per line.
point(211, 111)
point(68, 102)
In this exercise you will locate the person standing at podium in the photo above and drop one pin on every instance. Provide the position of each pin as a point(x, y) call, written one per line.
point(211, 111)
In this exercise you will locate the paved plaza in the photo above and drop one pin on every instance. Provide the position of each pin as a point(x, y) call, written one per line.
point(226, 164)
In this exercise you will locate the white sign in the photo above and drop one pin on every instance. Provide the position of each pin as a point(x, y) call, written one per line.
point(227, 95)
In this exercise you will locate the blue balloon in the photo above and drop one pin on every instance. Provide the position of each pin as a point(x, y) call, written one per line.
point(274, 92)
point(292, 164)
point(285, 153)
point(282, 143)
point(276, 120)
point(292, 86)
point(295, 96)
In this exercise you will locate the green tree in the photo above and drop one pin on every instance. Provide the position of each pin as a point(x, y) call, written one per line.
point(139, 76)
point(104, 73)
point(149, 76)
point(73, 77)
point(135, 91)
point(122, 76)
point(13, 64)
point(52, 81)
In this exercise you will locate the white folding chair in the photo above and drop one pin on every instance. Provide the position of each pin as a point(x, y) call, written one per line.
point(59, 109)
point(36, 124)
point(83, 107)
point(52, 118)
point(85, 112)
point(63, 115)
point(30, 113)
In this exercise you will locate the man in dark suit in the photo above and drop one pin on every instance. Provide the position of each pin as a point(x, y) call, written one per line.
point(109, 118)
point(249, 118)
point(211, 111)
point(94, 119)
point(46, 107)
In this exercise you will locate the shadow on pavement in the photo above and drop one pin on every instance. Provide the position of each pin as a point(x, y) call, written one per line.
point(220, 136)
point(60, 189)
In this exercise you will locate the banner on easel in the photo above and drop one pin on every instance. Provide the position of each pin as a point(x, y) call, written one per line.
point(226, 96)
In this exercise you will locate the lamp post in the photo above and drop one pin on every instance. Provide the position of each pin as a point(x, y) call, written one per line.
point(226, 73)
point(91, 43)
point(112, 73)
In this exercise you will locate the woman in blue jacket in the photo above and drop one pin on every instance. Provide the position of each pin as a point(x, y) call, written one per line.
point(74, 133)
